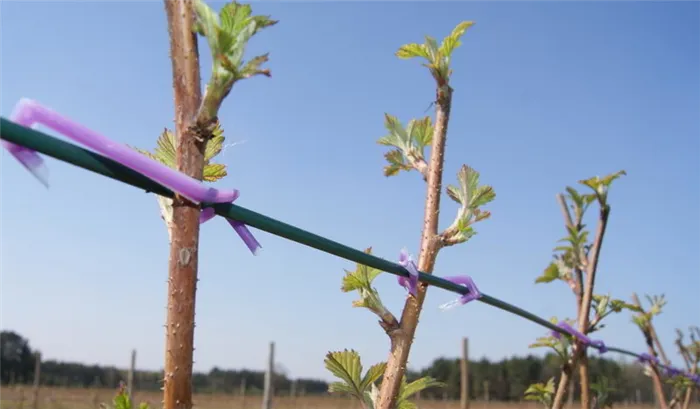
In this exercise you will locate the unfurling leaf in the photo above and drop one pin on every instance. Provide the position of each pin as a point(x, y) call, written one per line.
point(541, 392)
point(396, 163)
point(412, 51)
point(421, 132)
point(470, 196)
point(360, 280)
point(228, 34)
point(437, 57)
point(361, 277)
point(619, 305)
point(550, 274)
point(601, 185)
point(451, 42)
point(409, 142)
point(397, 137)
point(559, 345)
point(602, 391)
point(252, 67)
point(657, 303)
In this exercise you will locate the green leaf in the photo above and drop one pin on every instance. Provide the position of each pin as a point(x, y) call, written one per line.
point(451, 42)
point(360, 280)
point(412, 50)
point(165, 149)
point(252, 67)
point(362, 277)
point(601, 185)
point(431, 47)
point(541, 392)
point(601, 303)
point(214, 171)
point(207, 23)
point(406, 404)
point(228, 35)
point(543, 342)
point(396, 163)
point(657, 303)
point(619, 305)
point(215, 144)
point(550, 274)
point(469, 193)
point(373, 373)
point(418, 385)
point(346, 366)
point(143, 152)
point(470, 196)
point(408, 143)
point(341, 387)
point(398, 134)
point(421, 132)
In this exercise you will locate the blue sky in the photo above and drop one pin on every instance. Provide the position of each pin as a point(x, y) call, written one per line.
point(545, 94)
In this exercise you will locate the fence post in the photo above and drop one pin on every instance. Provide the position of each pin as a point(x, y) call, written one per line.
point(487, 396)
point(130, 378)
point(267, 394)
point(464, 402)
point(293, 392)
point(242, 393)
point(37, 379)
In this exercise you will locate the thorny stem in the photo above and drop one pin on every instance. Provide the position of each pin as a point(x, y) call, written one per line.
point(659, 348)
point(182, 266)
point(576, 285)
point(689, 392)
point(429, 246)
point(691, 363)
point(584, 320)
point(655, 376)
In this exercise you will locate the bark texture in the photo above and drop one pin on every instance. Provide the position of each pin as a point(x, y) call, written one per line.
point(430, 244)
point(184, 246)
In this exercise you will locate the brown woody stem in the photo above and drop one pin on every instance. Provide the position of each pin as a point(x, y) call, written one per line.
point(579, 352)
point(429, 246)
point(182, 265)
point(655, 376)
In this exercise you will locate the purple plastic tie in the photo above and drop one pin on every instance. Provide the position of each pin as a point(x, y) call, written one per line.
point(471, 295)
point(410, 283)
point(600, 346)
point(585, 341)
point(672, 372)
point(29, 113)
point(646, 358)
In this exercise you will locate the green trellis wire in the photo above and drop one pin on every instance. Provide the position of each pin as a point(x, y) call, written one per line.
point(93, 162)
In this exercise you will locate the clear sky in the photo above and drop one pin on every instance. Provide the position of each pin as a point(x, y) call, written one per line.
point(545, 94)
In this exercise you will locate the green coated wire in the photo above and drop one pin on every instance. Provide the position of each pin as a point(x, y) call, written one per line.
point(96, 163)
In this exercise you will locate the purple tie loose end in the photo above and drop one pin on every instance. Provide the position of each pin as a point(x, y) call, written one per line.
point(410, 283)
point(472, 294)
point(29, 113)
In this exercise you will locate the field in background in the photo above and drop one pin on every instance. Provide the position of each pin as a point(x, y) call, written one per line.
point(74, 398)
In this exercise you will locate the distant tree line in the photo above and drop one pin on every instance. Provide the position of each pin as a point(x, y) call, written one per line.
point(506, 379)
